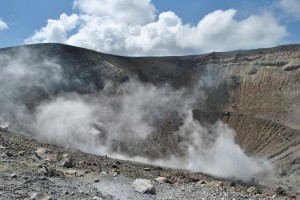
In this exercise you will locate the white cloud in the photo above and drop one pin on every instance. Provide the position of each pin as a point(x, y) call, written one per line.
point(3, 25)
point(133, 11)
point(291, 7)
point(55, 30)
point(131, 29)
point(102, 34)
point(219, 31)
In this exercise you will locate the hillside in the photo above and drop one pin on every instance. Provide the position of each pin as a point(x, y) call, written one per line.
point(137, 106)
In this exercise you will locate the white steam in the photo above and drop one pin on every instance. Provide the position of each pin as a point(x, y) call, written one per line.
point(116, 121)
point(222, 157)
point(23, 72)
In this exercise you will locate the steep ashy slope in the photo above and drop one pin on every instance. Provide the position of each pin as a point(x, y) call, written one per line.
point(259, 97)
point(255, 92)
point(265, 105)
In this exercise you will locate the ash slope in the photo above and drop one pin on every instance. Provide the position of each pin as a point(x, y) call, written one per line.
point(258, 97)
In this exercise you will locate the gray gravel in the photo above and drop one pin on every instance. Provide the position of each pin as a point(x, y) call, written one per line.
point(121, 188)
point(109, 187)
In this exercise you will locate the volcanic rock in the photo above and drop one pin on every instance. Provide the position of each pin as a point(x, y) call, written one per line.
point(216, 184)
point(252, 190)
point(13, 176)
point(144, 186)
point(97, 198)
point(280, 191)
point(67, 161)
point(161, 179)
point(71, 172)
point(291, 66)
point(43, 153)
point(202, 182)
point(40, 196)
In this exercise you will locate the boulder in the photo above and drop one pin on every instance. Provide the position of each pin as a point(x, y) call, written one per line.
point(43, 153)
point(71, 172)
point(104, 173)
point(40, 196)
point(216, 184)
point(143, 186)
point(2, 151)
point(291, 66)
point(21, 153)
point(202, 182)
point(9, 154)
point(252, 190)
point(280, 191)
point(161, 179)
point(67, 161)
point(13, 176)
point(97, 198)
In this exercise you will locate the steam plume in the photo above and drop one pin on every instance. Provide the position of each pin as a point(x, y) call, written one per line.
point(116, 121)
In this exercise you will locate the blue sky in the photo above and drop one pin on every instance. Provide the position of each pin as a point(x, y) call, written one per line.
point(225, 25)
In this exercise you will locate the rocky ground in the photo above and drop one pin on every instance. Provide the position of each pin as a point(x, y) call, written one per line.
point(30, 169)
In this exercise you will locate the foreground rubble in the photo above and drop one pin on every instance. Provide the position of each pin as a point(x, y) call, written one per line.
point(30, 169)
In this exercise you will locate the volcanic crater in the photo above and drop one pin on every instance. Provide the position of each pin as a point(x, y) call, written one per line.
point(253, 92)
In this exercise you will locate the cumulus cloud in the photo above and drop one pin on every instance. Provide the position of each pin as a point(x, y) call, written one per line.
point(3, 25)
point(219, 31)
point(131, 28)
point(157, 37)
point(291, 7)
point(55, 30)
point(134, 11)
